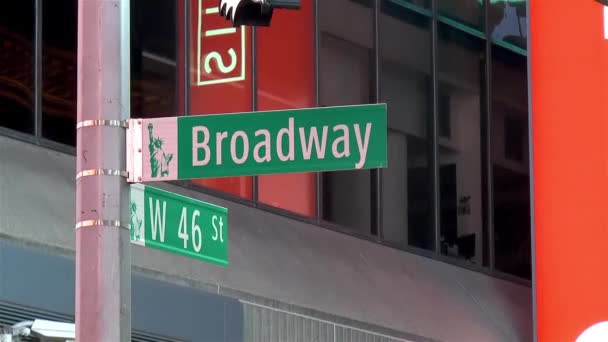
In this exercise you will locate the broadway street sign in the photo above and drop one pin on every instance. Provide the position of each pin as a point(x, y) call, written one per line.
point(303, 140)
point(178, 224)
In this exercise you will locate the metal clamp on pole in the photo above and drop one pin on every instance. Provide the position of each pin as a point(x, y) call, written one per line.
point(108, 123)
point(102, 223)
point(102, 172)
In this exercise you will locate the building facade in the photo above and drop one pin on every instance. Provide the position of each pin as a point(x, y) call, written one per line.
point(434, 247)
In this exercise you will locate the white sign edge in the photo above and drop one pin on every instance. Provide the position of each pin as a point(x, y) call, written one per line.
point(134, 151)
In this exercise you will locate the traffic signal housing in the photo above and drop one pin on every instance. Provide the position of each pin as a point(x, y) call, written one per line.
point(253, 12)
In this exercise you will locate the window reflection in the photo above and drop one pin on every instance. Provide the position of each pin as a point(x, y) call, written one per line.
point(293, 87)
point(510, 162)
point(508, 21)
point(460, 174)
point(17, 61)
point(59, 72)
point(405, 87)
point(154, 58)
point(346, 77)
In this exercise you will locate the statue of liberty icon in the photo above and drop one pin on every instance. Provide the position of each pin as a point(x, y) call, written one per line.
point(159, 160)
point(136, 223)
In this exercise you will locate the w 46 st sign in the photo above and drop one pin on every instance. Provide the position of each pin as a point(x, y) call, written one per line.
point(178, 224)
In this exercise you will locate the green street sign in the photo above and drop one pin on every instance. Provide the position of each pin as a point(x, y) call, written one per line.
point(178, 224)
point(242, 144)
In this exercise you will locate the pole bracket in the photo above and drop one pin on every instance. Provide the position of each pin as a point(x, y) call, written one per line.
point(110, 123)
point(102, 172)
point(102, 223)
point(135, 150)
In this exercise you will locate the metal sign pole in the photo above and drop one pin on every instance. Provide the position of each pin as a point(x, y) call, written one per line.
point(103, 256)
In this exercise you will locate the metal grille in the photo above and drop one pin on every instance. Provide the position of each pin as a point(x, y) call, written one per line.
point(11, 314)
point(345, 334)
point(265, 324)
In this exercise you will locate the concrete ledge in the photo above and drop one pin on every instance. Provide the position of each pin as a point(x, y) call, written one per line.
point(272, 256)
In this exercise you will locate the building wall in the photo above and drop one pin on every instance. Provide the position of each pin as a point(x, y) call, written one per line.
point(457, 108)
point(394, 260)
point(39, 284)
point(276, 262)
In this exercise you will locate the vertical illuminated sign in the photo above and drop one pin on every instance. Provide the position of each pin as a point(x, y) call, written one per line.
point(569, 108)
point(220, 48)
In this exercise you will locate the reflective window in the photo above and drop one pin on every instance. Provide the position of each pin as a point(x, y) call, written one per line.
point(154, 58)
point(510, 163)
point(346, 78)
point(508, 21)
point(17, 61)
point(468, 12)
point(405, 85)
point(460, 175)
point(59, 70)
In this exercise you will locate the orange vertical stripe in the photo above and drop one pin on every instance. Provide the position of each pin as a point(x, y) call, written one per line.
point(569, 58)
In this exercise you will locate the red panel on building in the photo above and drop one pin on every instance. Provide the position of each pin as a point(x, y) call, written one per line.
point(286, 79)
point(569, 75)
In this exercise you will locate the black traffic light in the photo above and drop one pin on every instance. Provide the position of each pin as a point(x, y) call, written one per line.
point(253, 12)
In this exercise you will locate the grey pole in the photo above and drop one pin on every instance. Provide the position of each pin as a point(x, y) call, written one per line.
point(103, 255)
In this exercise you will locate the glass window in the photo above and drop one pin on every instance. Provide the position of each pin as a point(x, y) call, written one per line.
point(468, 12)
point(461, 75)
point(508, 22)
point(59, 70)
point(346, 78)
point(292, 87)
point(510, 162)
point(17, 61)
point(405, 49)
point(154, 58)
